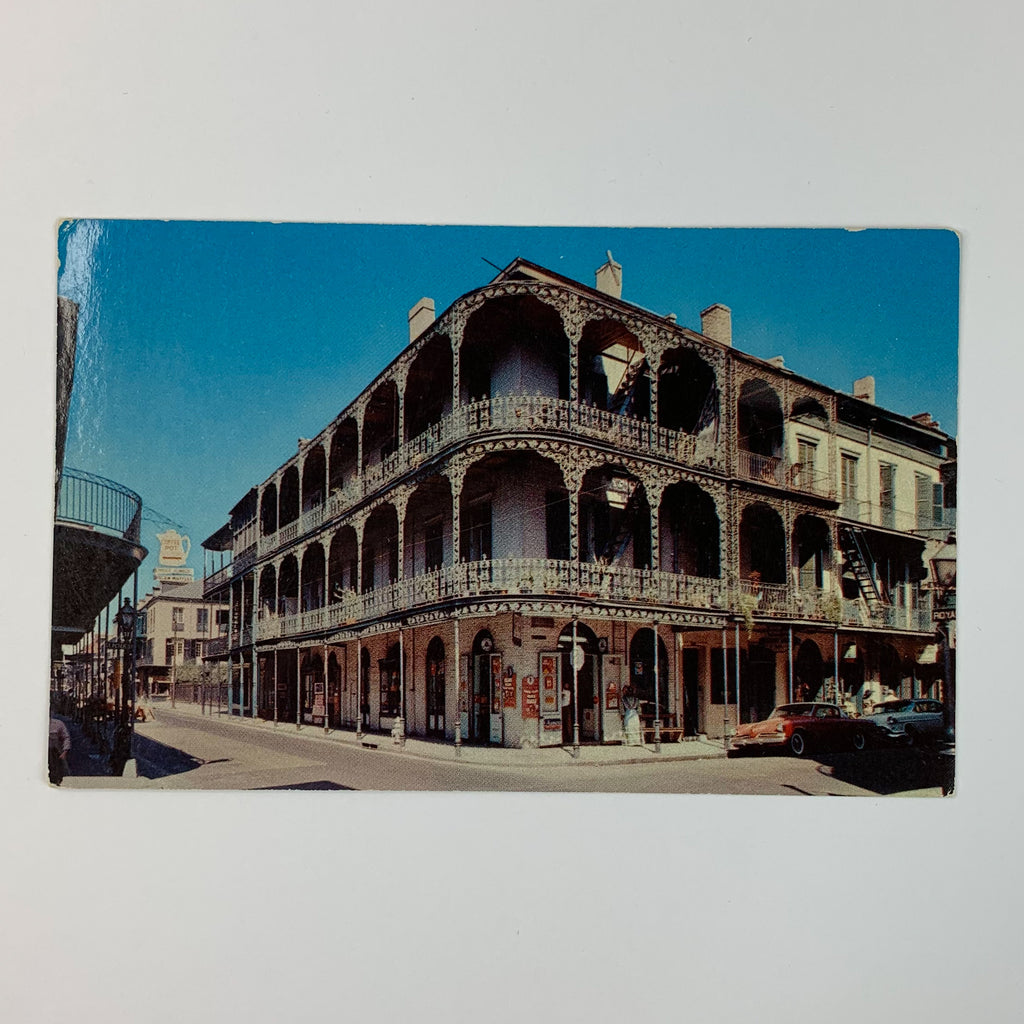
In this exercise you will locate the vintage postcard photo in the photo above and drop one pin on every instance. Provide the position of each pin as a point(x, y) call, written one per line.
point(483, 508)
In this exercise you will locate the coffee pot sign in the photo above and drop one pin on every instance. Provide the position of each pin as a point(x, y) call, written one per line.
point(174, 548)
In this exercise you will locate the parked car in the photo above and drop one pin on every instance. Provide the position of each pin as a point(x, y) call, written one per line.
point(803, 726)
point(915, 720)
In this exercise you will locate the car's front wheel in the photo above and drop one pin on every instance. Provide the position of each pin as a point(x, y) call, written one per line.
point(798, 744)
point(859, 741)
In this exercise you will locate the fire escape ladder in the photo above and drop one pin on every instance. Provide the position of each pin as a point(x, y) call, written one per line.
point(855, 548)
point(622, 401)
point(619, 541)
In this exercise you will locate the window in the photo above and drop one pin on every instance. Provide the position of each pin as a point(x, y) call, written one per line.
point(174, 650)
point(806, 452)
point(887, 492)
point(222, 621)
point(849, 485)
point(178, 619)
point(202, 620)
point(434, 544)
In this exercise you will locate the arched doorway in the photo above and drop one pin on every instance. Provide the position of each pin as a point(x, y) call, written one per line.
point(435, 687)
point(809, 672)
point(641, 675)
point(485, 700)
point(333, 690)
point(312, 677)
point(364, 687)
point(587, 677)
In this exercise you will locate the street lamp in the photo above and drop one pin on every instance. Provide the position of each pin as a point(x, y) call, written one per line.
point(943, 566)
point(122, 752)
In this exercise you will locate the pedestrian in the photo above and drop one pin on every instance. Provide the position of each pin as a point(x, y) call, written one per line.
point(60, 744)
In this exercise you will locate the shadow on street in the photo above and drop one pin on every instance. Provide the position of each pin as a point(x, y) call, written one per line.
point(157, 760)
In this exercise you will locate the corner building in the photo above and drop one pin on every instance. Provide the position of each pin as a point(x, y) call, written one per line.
point(552, 499)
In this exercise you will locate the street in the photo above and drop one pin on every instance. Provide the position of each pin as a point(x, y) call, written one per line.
point(182, 750)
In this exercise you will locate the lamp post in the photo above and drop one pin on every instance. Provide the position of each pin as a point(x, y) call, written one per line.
point(122, 748)
point(943, 566)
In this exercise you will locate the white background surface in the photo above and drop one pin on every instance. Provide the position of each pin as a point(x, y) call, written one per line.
point(281, 906)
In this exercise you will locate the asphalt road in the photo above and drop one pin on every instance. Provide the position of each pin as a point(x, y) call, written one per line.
point(182, 751)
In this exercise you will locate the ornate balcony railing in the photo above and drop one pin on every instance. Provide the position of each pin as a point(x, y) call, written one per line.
point(216, 647)
point(218, 580)
point(764, 469)
point(512, 413)
point(771, 598)
point(100, 503)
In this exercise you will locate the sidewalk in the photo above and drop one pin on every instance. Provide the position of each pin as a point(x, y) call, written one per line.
point(437, 750)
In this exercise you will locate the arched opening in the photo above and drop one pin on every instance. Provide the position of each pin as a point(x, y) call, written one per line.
point(613, 370)
point(268, 591)
point(390, 683)
point(344, 465)
point(513, 505)
point(314, 702)
point(760, 426)
point(809, 410)
point(514, 345)
point(435, 671)
point(851, 674)
point(288, 587)
point(587, 678)
point(314, 478)
point(428, 389)
point(641, 675)
point(334, 684)
point(808, 672)
point(342, 565)
point(380, 548)
point(289, 499)
point(486, 686)
point(812, 552)
point(380, 425)
point(687, 392)
point(313, 578)
point(762, 545)
point(268, 511)
point(614, 519)
point(889, 673)
point(428, 527)
point(690, 540)
point(364, 686)
point(287, 683)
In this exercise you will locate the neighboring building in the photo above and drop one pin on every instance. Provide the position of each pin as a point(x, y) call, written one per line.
point(96, 547)
point(175, 626)
point(548, 469)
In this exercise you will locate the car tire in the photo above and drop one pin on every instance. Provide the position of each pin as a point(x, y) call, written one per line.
point(859, 740)
point(798, 744)
point(912, 739)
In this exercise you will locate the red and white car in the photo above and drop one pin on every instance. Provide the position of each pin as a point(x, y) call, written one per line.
point(802, 727)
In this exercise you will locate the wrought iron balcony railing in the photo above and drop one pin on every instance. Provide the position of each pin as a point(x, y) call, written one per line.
point(102, 504)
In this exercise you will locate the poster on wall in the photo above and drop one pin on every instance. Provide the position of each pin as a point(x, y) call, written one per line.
point(531, 697)
point(550, 701)
point(509, 690)
point(496, 732)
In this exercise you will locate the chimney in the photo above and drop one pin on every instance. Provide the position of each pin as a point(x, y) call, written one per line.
point(421, 316)
point(864, 389)
point(716, 323)
point(608, 278)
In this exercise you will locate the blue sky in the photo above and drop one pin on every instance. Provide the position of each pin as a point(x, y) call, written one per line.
point(206, 349)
